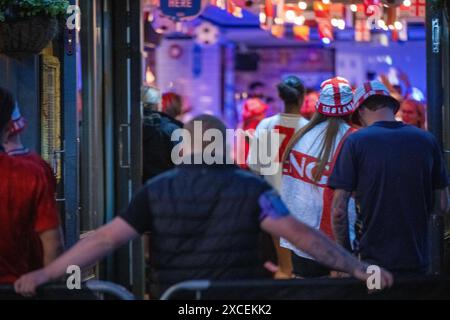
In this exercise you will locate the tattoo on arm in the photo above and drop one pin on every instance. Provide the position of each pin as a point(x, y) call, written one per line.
point(326, 252)
point(336, 257)
point(339, 216)
point(314, 243)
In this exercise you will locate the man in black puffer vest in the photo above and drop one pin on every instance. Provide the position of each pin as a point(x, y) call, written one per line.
point(205, 222)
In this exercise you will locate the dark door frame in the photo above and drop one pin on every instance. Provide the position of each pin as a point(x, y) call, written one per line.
point(71, 135)
point(127, 57)
point(111, 126)
point(437, 42)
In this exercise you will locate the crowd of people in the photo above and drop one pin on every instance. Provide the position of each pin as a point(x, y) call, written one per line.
point(353, 187)
point(412, 110)
point(360, 194)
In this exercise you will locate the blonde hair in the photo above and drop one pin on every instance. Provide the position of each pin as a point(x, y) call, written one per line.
point(421, 111)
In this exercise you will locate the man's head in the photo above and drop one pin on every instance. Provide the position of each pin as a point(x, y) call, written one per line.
point(205, 129)
point(373, 102)
point(6, 110)
point(309, 106)
point(256, 89)
point(172, 104)
point(292, 91)
point(151, 98)
point(253, 111)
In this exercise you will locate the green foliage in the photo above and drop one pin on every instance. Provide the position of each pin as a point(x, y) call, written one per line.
point(15, 9)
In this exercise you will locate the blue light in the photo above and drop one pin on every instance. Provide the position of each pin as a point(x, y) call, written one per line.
point(326, 40)
point(417, 94)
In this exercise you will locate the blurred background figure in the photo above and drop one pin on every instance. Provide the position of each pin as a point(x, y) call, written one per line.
point(253, 112)
point(309, 106)
point(292, 92)
point(151, 99)
point(158, 129)
point(157, 132)
point(397, 83)
point(256, 90)
point(172, 104)
point(414, 113)
point(273, 107)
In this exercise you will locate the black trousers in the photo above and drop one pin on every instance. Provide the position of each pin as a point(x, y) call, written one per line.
point(307, 268)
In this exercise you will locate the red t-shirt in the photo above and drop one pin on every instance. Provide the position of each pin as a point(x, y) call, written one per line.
point(27, 208)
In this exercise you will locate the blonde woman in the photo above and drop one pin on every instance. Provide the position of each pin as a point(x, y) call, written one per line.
point(308, 162)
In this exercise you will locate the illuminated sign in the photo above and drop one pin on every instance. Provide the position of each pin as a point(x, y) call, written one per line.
point(181, 8)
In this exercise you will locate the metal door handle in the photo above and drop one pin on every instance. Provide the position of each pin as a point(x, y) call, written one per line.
point(56, 154)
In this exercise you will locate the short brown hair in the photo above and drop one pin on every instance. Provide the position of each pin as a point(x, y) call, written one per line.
point(377, 102)
point(208, 122)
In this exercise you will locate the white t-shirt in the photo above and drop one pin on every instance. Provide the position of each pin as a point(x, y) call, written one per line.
point(287, 125)
point(308, 201)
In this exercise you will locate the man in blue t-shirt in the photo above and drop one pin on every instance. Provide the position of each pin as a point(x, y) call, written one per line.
point(398, 177)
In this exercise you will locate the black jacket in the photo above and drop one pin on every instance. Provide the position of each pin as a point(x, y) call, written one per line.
point(205, 225)
point(157, 144)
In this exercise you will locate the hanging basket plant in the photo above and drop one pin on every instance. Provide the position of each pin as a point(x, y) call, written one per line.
point(27, 26)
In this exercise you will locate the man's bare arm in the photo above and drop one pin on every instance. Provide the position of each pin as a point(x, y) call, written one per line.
point(321, 248)
point(85, 253)
point(339, 217)
point(314, 243)
point(52, 245)
point(93, 248)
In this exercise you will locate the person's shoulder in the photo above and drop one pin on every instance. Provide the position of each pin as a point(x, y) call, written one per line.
point(413, 133)
point(32, 164)
point(32, 158)
point(169, 124)
point(362, 133)
point(315, 132)
point(151, 118)
point(268, 123)
point(250, 178)
point(170, 120)
point(163, 177)
point(359, 137)
point(303, 121)
point(425, 135)
point(419, 132)
point(175, 124)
